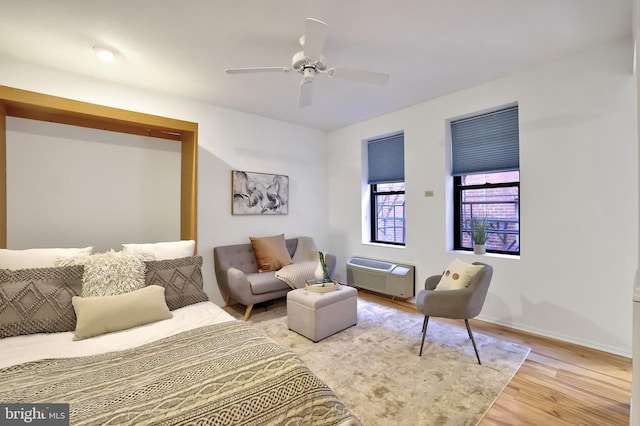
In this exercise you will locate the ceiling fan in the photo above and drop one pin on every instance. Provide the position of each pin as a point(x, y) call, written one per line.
point(310, 61)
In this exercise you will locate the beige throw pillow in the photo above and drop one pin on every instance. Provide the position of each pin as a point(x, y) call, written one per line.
point(104, 314)
point(458, 275)
point(271, 252)
point(305, 251)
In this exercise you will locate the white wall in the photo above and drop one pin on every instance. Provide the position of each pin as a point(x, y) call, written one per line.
point(227, 140)
point(579, 196)
point(67, 184)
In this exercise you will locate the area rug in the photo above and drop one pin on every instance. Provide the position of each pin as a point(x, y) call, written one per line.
point(375, 369)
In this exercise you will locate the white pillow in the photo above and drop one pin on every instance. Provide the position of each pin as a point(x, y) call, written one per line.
point(164, 250)
point(104, 314)
point(38, 257)
point(458, 275)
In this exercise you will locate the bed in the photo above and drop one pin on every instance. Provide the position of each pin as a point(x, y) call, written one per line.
point(197, 366)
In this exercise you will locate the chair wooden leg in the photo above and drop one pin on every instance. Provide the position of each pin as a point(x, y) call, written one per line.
point(424, 332)
point(466, 321)
point(227, 300)
point(247, 312)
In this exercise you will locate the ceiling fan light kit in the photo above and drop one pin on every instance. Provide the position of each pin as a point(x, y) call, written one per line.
point(310, 61)
point(104, 54)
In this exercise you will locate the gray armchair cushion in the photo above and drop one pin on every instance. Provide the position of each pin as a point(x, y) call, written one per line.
point(265, 282)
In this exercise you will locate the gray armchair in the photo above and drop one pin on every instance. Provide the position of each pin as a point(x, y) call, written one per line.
point(463, 304)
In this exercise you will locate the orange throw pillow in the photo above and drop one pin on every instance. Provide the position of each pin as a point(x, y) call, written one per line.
point(271, 252)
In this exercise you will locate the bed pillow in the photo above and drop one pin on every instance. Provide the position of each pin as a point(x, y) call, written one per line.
point(38, 300)
point(104, 314)
point(458, 275)
point(110, 273)
point(271, 252)
point(37, 257)
point(181, 278)
point(164, 250)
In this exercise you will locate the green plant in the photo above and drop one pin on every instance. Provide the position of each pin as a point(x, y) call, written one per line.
point(325, 271)
point(479, 230)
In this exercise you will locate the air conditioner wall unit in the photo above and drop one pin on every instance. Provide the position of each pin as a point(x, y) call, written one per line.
point(382, 277)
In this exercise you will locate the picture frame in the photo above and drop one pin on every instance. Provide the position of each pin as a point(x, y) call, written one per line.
point(259, 193)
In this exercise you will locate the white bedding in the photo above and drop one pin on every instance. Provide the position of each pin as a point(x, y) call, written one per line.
point(19, 349)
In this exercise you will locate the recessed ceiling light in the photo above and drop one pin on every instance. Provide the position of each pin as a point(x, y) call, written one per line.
point(105, 54)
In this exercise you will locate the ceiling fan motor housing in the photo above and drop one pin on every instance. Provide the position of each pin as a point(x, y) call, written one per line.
point(300, 63)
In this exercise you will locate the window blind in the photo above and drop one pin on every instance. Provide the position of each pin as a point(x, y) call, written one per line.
point(486, 143)
point(386, 159)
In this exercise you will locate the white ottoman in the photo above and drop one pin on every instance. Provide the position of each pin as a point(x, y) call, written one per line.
point(319, 315)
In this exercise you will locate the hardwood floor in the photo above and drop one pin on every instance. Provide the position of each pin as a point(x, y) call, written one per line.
point(558, 384)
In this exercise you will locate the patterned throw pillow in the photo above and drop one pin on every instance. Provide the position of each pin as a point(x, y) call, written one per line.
point(181, 278)
point(110, 273)
point(38, 300)
point(458, 275)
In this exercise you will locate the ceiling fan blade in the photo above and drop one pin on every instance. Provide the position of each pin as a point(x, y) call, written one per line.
point(306, 93)
point(256, 70)
point(358, 75)
point(314, 37)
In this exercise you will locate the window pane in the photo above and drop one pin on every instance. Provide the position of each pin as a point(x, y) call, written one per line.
point(482, 178)
point(390, 215)
point(501, 207)
point(388, 187)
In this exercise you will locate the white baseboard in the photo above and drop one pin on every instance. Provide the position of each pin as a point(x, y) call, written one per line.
point(558, 336)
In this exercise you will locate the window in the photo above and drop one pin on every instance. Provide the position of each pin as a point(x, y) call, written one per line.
point(494, 196)
point(486, 179)
point(387, 211)
point(386, 185)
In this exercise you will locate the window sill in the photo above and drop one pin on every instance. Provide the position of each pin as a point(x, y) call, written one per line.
point(368, 243)
point(494, 255)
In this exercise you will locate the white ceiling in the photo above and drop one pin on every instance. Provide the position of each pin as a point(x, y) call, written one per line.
point(428, 47)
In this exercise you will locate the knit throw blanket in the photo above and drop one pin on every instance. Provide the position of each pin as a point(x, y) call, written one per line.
point(306, 265)
point(297, 274)
point(223, 374)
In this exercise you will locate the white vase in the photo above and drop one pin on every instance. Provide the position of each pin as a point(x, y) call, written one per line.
point(479, 249)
